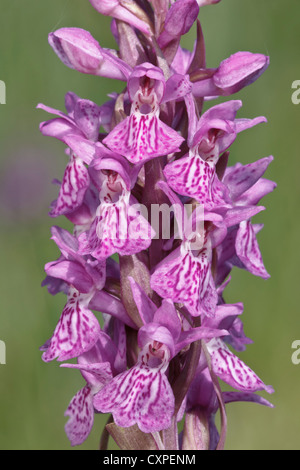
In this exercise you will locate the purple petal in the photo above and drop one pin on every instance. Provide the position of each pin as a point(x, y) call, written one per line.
point(187, 279)
point(233, 74)
point(57, 112)
point(96, 365)
point(222, 272)
point(141, 137)
point(190, 105)
point(195, 334)
point(180, 18)
point(224, 111)
point(78, 50)
point(76, 332)
point(154, 332)
point(248, 251)
point(203, 3)
point(106, 303)
point(82, 148)
point(205, 87)
point(73, 187)
point(97, 271)
point(55, 285)
point(244, 124)
point(239, 213)
point(201, 392)
point(213, 137)
point(239, 70)
point(84, 215)
point(98, 374)
point(59, 128)
point(226, 250)
point(144, 304)
point(119, 228)
point(230, 397)
point(167, 316)
point(237, 339)
point(240, 178)
point(71, 272)
point(222, 287)
point(232, 370)
point(70, 102)
point(141, 396)
point(66, 242)
point(190, 225)
point(139, 82)
point(112, 163)
point(192, 176)
point(254, 194)
point(81, 416)
point(87, 117)
point(225, 315)
point(182, 60)
point(178, 86)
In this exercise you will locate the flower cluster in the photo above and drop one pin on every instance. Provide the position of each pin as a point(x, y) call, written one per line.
point(145, 316)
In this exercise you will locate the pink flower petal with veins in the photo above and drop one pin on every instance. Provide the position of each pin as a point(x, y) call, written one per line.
point(240, 178)
point(194, 177)
point(232, 370)
point(87, 118)
point(140, 395)
point(187, 279)
point(76, 332)
point(75, 182)
point(119, 228)
point(141, 137)
point(248, 251)
point(81, 416)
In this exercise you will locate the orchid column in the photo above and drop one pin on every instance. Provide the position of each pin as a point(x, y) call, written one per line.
point(146, 319)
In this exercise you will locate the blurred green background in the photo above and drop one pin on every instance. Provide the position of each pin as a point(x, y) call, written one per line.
point(34, 395)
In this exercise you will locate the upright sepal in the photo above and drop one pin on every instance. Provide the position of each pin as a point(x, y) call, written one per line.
point(179, 20)
point(77, 49)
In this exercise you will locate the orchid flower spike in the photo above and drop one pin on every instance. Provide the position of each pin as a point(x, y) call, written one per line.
point(159, 214)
